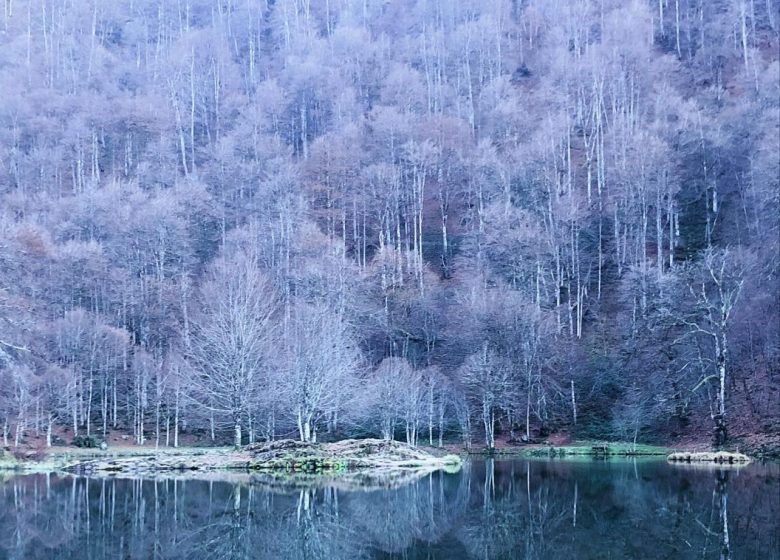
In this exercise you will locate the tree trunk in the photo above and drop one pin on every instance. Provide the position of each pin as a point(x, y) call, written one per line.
point(677, 27)
point(467, 431)
point(19, 432)
point(528, 415)
point(157, 424)
point(48, 430)
point(301, 430)
point(176, 421)
point(487, 418)
point(441, 424)
point(75, 420)
point(573, 404)
point(304, 427)
point(721, 432)
point(237, 435)
point(430, 414)
point(104, 408)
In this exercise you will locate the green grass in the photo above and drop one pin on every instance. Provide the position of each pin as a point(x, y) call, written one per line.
point(586, 449)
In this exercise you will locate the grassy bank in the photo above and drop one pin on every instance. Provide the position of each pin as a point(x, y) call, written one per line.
point(62, 458)
point(278, 456)
point(578, 449)
point(295, 457)
point(719, 457)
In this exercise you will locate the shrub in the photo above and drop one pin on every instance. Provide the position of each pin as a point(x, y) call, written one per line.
point(89, 442)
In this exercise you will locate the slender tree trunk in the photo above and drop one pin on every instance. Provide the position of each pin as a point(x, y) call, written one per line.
point(19, 431)
point(441, 423)
point(89, 406)
point(573, 404)
point(176, 420)
point(50, 421)
point(721, 432)
point(488, 420)
point(677, 27)
point(430, 413)
point(104, 408)
point(157, 424)
point(528, 415)
point(237, 434)
point(744, 33)
point(466, 428)
point(74, 414)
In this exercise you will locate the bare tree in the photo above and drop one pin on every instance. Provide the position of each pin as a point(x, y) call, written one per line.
point(233, 337)
point(489, 381)
point(715, 286)
point(385, 390)
point(323, 358)
point(436, 174)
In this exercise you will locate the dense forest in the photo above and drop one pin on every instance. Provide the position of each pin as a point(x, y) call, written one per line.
point(432, 220)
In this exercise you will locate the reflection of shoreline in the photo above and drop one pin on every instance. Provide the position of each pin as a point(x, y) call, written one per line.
point(251, 515)
point(705, 466)
point(368, 480)
point(716, 457)
point(491, 510)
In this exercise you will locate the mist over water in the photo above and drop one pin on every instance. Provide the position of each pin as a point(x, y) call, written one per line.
point(491, 509)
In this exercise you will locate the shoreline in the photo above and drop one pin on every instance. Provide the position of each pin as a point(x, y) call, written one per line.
point(577, 449)
point(281, 456)
point(288, 456)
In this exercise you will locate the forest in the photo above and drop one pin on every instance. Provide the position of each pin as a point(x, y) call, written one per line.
point(439, 221)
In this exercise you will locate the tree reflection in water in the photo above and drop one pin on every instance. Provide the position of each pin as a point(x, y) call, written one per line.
point(490, 510)
point(722, 493)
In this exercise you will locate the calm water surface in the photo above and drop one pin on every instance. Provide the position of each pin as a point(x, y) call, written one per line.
point(491, 509)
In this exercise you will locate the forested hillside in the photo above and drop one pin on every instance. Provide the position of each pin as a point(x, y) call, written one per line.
point(424, 219)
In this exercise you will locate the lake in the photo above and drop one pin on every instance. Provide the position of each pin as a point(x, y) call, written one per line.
point(491, 509)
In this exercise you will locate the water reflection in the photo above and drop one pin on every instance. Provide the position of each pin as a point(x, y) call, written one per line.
point(722, 493)
point(490, 510)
